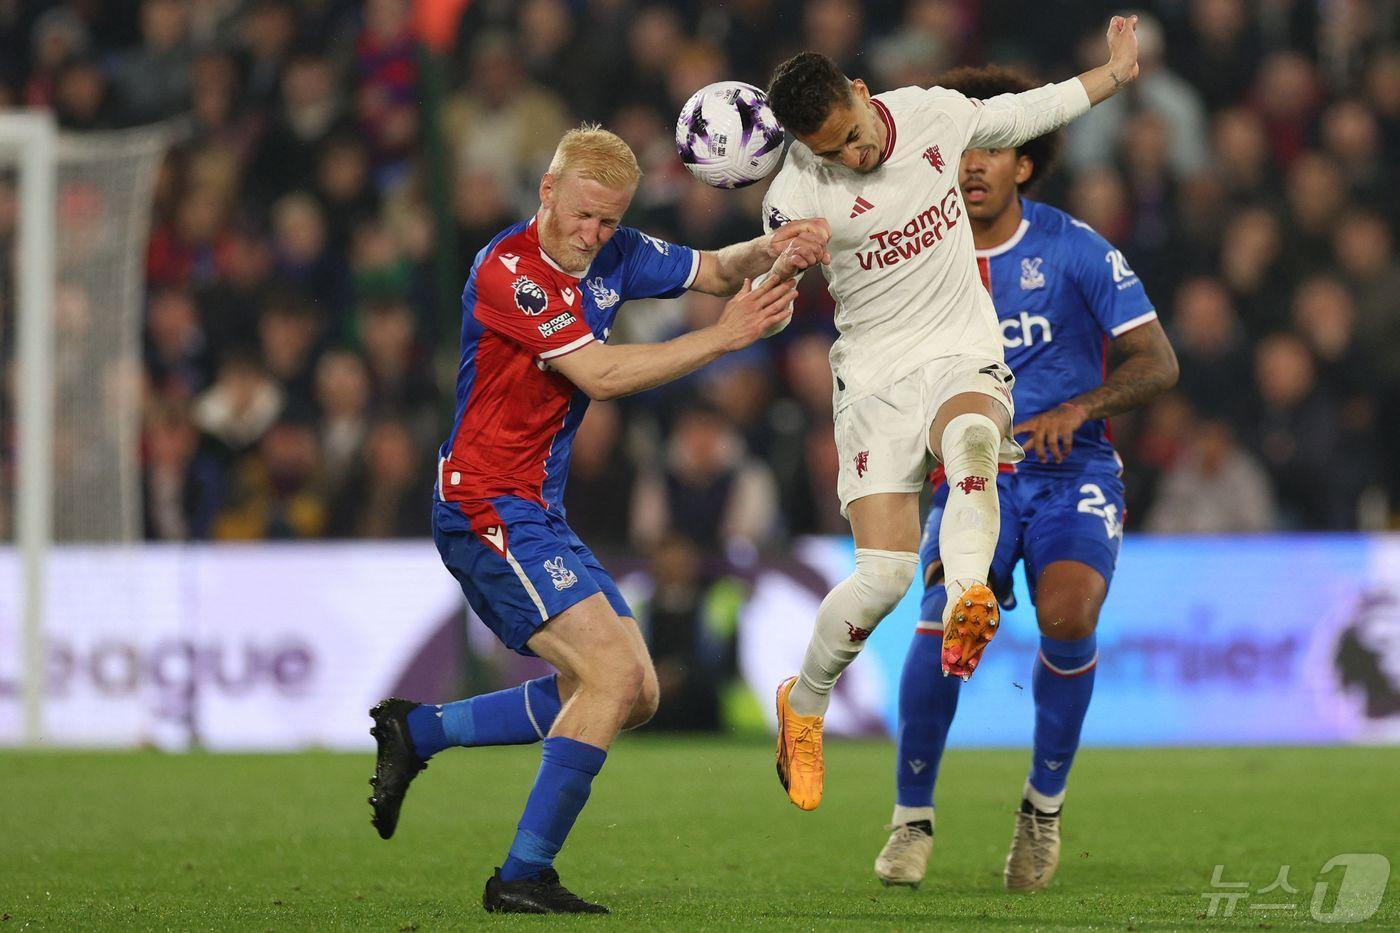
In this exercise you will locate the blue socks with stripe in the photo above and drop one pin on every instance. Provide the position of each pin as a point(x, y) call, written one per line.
point(927, 702)
point(517, 716)
point(1062, 684)
point(562, 785)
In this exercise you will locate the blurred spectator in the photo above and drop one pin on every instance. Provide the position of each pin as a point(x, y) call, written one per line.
point(177, 354)
point(276, 495)
point(1210, 347)
point(502, 123)
point(602, 480)
point(1364, 252)
point(708, 489)
point(288, 332)
point(304, 256)
point(1214, 487)
point(402, 382)
point(153, 81)
point(1286, 94)
point(183, 484)
point(239, 407)
point(342, 397)
point(690, 646)
point(1094, 139)
point(313, 108)
point(389, 494)
point(385, 100)
point(1296, 431)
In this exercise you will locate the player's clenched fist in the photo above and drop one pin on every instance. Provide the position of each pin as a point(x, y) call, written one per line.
point(755, 311)
point(1123, 49)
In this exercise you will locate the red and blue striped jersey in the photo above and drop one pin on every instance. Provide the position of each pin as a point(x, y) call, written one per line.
point(516, 417)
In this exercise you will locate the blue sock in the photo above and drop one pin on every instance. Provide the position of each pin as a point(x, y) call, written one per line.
point(1062, 684)
point(561, 789)
point(927, 702)
point(518, 716)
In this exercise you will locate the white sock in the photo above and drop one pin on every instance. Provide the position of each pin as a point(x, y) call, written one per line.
point(845, 620)
point(967, 536)
point(904, 815)
point(1043, 802)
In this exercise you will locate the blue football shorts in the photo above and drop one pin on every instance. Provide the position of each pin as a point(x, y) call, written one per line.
point(1045, 518)
point(519, 564)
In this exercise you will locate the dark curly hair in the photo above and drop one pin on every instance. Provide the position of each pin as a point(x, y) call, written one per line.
point(804, 89)
point(989, 81)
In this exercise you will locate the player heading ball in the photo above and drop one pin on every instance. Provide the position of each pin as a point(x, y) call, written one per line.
point(918, 365)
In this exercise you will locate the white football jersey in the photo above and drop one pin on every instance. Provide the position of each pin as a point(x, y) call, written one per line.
point(902, 270)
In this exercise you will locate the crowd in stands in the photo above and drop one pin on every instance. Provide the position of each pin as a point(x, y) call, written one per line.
point(301, 335)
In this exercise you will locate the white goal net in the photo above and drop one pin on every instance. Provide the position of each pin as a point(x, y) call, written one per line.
point(74, 223)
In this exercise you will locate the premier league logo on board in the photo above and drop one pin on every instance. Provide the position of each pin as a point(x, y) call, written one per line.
point(1031, 276)
point(603, 296)
point(562, 576)
point(529, 296)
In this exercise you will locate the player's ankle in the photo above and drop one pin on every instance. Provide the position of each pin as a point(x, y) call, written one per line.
point(806, 700)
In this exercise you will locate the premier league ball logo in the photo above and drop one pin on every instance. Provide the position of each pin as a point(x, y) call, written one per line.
point(529, 296)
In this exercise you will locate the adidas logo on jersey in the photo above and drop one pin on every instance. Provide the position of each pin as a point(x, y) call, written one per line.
point(861, 206)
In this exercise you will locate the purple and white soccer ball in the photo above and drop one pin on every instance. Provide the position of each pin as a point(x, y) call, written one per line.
point(727, 136)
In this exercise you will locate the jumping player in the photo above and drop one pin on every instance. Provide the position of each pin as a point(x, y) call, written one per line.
point(918, 365)
point(537, 311)
point(1062, 293)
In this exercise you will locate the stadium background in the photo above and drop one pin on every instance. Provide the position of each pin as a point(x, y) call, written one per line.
point(338, 164)
point(335, 166)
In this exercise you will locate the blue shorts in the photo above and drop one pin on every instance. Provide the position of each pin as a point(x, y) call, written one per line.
point(1044, 519)
point(519, 564)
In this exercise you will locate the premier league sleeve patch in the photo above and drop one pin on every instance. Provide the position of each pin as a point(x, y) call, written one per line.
point(529, 296)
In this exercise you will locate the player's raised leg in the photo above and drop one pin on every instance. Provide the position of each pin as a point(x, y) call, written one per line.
point(886, 530)
point(967, 435)
point(1069, 595)
point(927, 703)
point(409, 733)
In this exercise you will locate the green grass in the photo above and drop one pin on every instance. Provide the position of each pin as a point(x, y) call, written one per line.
point(679, 834)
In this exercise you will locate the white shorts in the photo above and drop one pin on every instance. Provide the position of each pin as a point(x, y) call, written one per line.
point(883, 438)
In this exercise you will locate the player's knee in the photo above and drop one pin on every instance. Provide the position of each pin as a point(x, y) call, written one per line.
point(1067, 617)
point(647, 702)
point(970, 440)
point(882, 578)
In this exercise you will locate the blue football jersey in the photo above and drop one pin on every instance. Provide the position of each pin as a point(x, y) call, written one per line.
point(1061, 292)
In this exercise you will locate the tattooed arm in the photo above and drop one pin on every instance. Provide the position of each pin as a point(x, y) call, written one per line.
point(1148, 369)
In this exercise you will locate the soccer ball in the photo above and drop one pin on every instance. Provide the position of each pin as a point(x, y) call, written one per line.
point(727, 136)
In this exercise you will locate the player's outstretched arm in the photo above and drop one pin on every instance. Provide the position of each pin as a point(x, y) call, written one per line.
point(604, 371)
point(1148, 369)
point(787, 251)
point(1104, 81)
point(1008, 120)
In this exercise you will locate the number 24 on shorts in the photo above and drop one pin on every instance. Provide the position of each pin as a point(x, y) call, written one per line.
point(1095, 503)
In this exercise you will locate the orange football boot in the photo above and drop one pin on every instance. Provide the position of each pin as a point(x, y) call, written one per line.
point(969, 629)
point(800, 766)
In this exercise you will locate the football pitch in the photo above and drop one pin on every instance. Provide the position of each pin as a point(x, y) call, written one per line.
point(682, 834)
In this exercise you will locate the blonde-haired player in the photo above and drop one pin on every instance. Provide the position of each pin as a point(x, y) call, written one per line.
point(537, 311)
point(918, 365)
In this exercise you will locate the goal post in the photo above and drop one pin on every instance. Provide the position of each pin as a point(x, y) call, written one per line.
point(82, 220)
point(30, 142)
